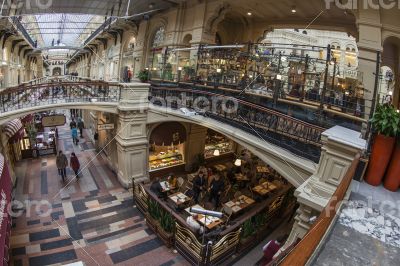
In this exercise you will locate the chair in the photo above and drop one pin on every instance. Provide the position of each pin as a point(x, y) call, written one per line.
point(180, 182)
point(237, 195)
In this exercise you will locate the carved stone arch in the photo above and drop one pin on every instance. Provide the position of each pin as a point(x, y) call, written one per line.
point(216, 17)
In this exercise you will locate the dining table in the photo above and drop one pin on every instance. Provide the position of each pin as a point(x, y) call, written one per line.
point(265, 188)
point(239, 204)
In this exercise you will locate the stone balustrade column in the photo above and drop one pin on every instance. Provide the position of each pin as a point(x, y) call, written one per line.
point(132, 142)
point(340, 147)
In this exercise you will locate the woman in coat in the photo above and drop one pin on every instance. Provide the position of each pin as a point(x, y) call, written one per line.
point(74, 163)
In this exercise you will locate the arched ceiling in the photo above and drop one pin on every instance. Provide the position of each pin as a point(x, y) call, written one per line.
point(311, 14)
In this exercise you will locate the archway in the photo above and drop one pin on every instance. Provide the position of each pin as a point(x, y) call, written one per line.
point(56, 71)
point(391, 59)
point(234, 28)
point(155, 53)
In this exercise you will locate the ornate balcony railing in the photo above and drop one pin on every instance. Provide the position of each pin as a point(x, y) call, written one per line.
point(57, 92)
point(297, 136)
point(302, 76)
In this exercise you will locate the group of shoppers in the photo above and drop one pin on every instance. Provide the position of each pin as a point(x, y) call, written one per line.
point(62, 164)
point(62, 161)
point(214, 189)
point(74, 129)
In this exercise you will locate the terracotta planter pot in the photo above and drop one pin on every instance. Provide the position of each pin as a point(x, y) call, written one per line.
point(379, 160)
point(392, 178)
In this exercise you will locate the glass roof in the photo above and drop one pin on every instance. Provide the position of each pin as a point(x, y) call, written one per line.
point(59, 29)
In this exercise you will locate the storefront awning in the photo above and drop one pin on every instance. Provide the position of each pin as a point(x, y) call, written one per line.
point(171, 133)
point(27, 119)
point(13, 129)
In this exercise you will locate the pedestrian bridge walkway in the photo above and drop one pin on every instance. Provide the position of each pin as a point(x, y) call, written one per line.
point(289, 144)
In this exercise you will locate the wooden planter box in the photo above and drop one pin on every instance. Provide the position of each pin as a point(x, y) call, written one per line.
point(167, 238)
point(151, 223)
point(247, 243)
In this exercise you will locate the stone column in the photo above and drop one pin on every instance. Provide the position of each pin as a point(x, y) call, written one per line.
point(195, 143)
point(39, 64)
point(340, 147)
point(132, 142)
point(369, 43)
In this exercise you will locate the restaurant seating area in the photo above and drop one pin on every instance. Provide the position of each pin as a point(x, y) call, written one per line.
point(250, 196)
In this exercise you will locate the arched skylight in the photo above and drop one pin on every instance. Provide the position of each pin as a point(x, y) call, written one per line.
point(59, 29)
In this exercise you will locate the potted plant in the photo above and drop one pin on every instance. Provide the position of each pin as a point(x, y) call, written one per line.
point(153, 214)
point(392, 178)
point(166, 230)
point(385, 122)
point(143, 75)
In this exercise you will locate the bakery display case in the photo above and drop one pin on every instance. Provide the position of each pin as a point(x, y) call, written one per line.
point(162, 157)
point(216, 141)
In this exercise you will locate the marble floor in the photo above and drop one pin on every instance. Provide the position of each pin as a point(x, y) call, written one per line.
point(367, 231)
point(93, 221)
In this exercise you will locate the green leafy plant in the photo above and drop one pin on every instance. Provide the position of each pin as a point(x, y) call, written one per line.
point(167, 222)
point(154, 209)
point(143, 75)
point(259, 219)
point(386, 120)
point(31, 132)
point(248, 228)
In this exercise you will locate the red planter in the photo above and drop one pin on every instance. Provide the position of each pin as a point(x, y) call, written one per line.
point(392, 178)
point(380, 158)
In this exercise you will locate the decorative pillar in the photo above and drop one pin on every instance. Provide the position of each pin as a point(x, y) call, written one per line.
point(369, 43)
point(39, 63)
point(132, 142)
point(340, 147)
point(195, 143)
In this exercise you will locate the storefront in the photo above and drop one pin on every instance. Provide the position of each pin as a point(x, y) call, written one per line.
point(167, 147)
point(5, 218)
point(217, 145)
point(14, 132)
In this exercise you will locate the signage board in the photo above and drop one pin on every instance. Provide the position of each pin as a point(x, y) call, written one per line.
point(105, 126)
point(53, 120)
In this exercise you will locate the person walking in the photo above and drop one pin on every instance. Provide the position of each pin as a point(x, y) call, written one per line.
point(199, 185)
point(129, 75)
point(62, 163)
point(74, 133)
point(216, 189)
point(271, 248)
point(73, 123)
point(74, 164)
point(81, 126)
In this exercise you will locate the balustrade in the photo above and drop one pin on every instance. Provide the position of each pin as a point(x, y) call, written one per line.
point(57, 92)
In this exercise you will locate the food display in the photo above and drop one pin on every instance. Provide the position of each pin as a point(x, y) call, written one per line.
point(224, 147)
point(165, 159)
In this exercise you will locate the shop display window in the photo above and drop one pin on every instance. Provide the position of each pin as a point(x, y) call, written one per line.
point(165, 156)
point(216, 141)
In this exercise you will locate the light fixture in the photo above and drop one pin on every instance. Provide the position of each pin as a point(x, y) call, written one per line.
point(249, 13)
point(180, 68)
point(147, 68)
point(390, 93)
point(238, 162)
point(398, 110)
point(294, 9)
point(219, 70)
point(279, 77)
point(216, 153)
